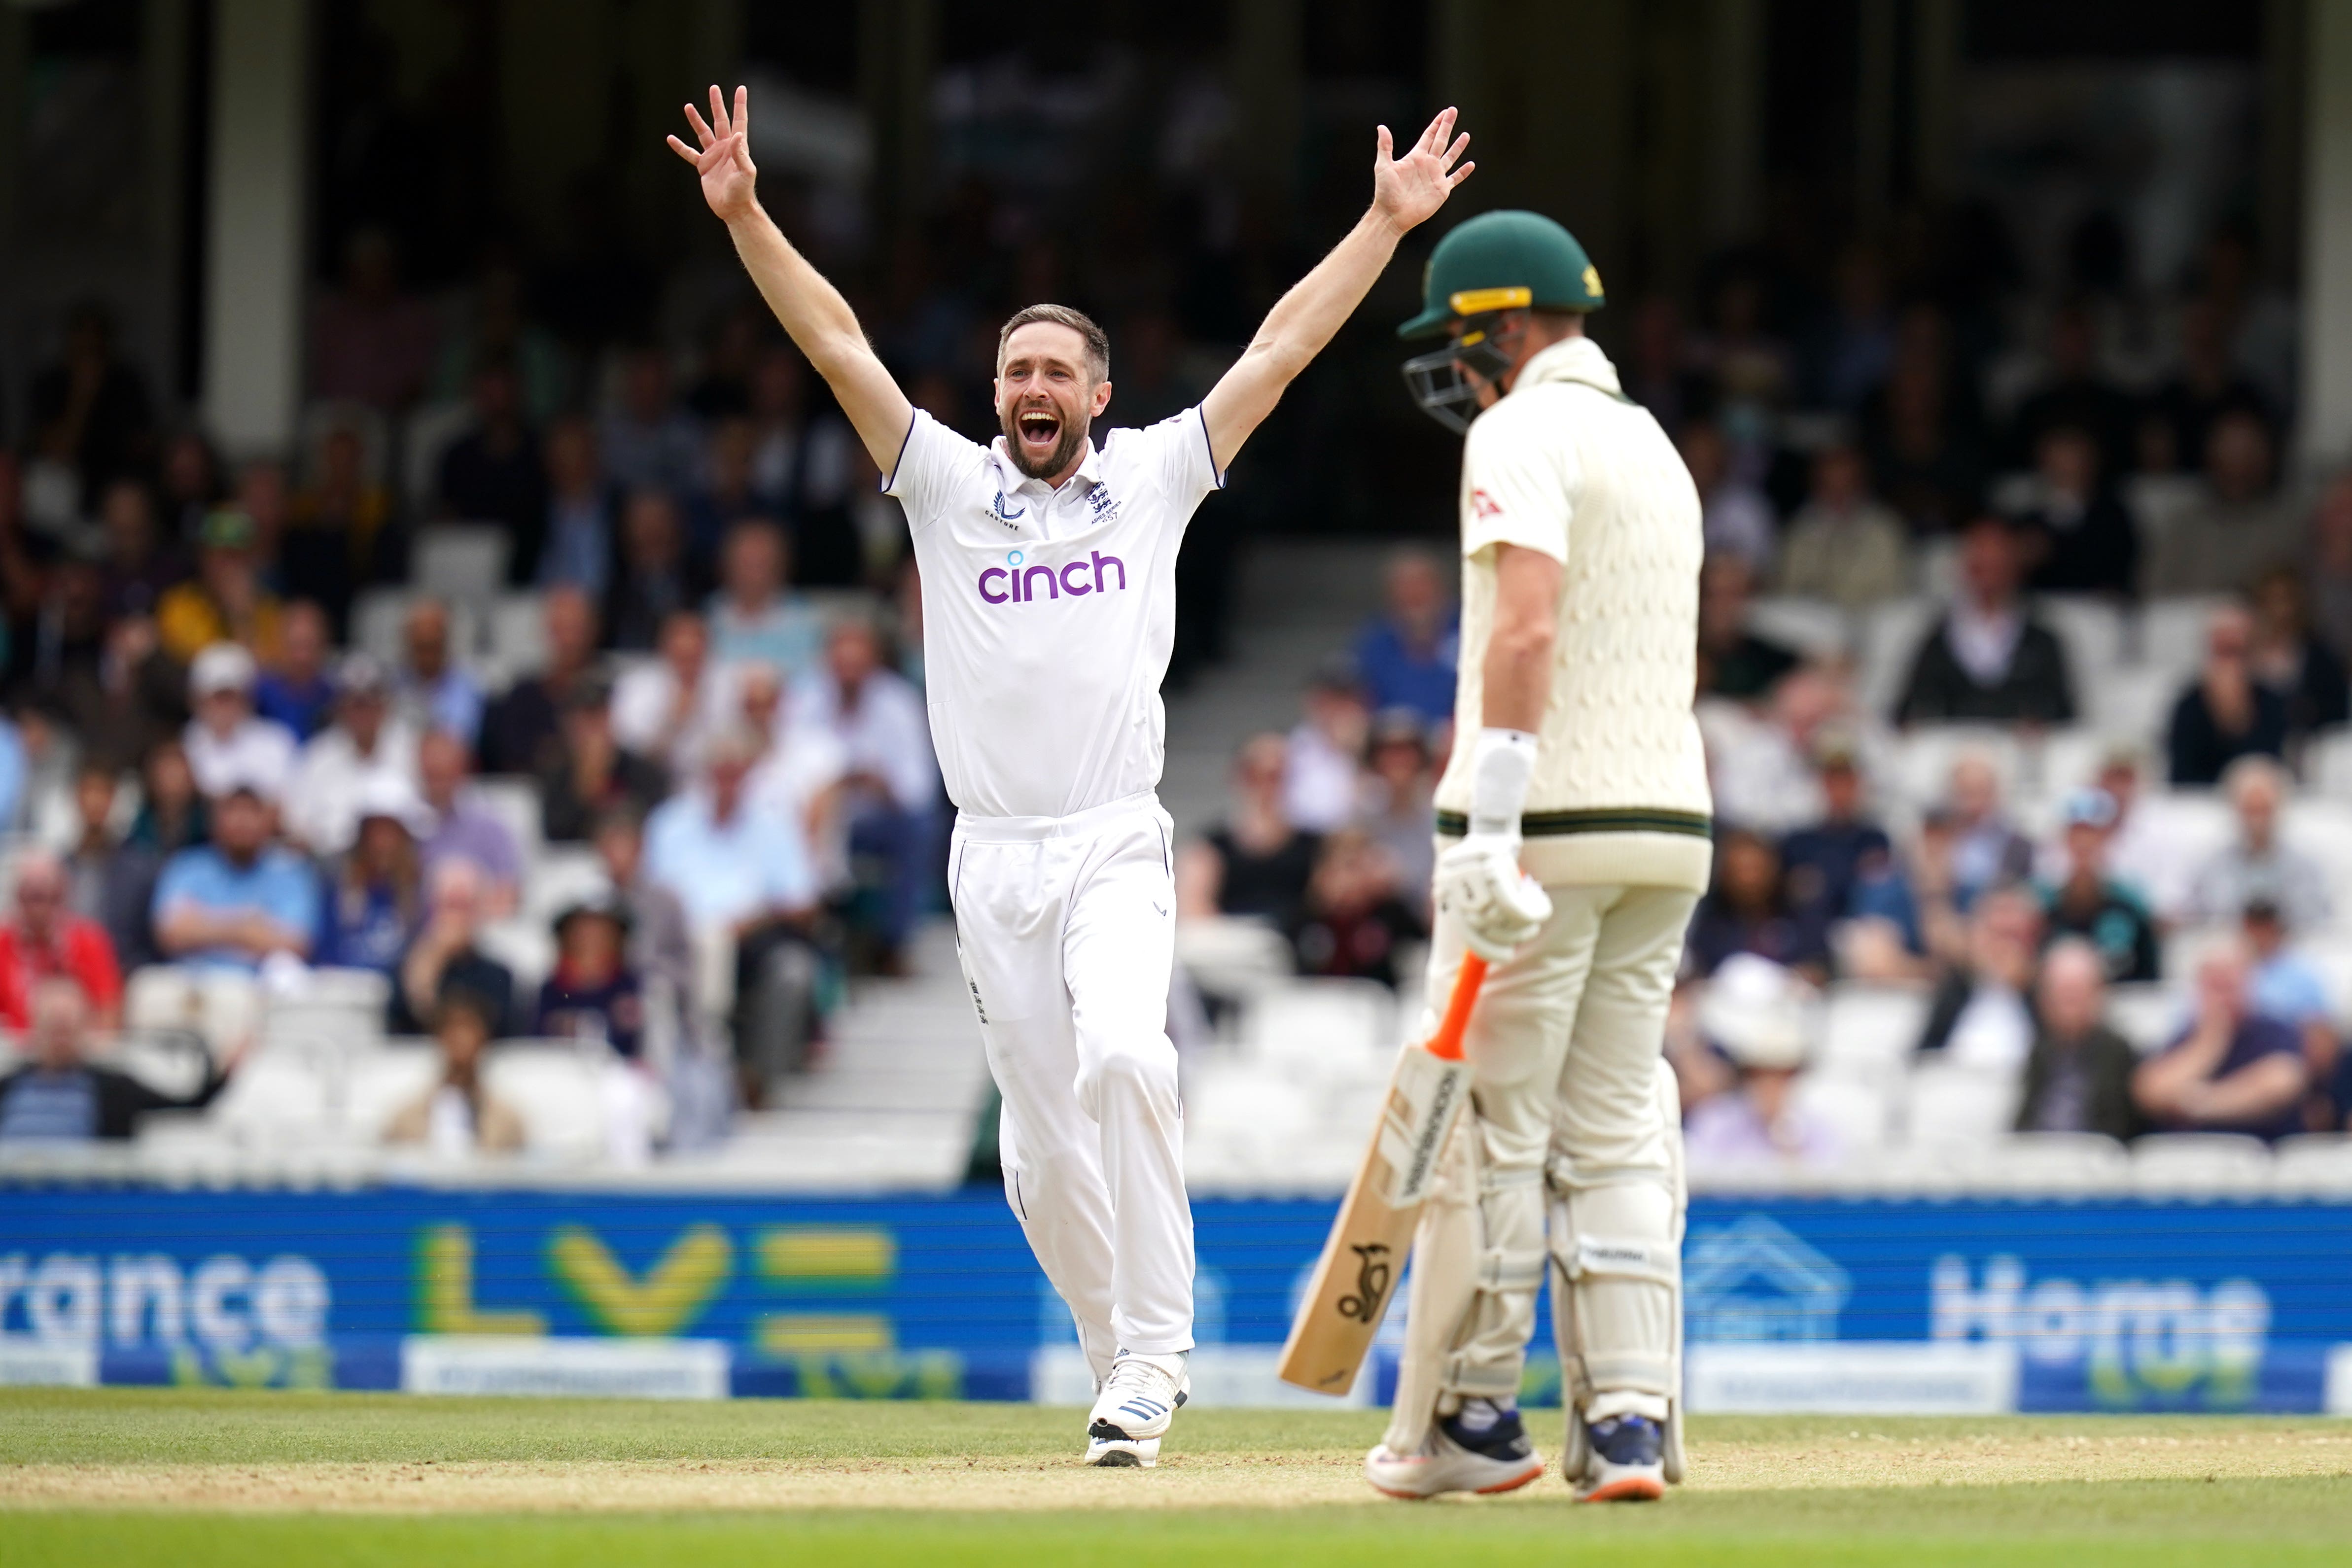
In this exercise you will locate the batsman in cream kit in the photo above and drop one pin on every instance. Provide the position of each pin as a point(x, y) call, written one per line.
point(1049, 603)
point(1574, 839)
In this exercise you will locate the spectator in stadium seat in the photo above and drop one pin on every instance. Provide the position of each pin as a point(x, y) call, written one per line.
point(752, 617)
point(2290, 660)
point(1748, 911)
point(457, 1116)
point(747, 873)
point(14, 770)
point(2142, 852)
point(588, 772)
point(668, 710)
point(375, 890)
point(1394, 806)
point(2074, 395)
point(2208, 384)
point(1326, 748)
point(2225, 713)
point(2078, 1075)
point(296, 691)
point(2242, 528)
point(227, 742)
point(2234, 1070)
point(1988, 659)
point(577, 553)
point(445, 957)
point(2079, 536)
point(655, 577)
point(725, 498)
point(1734, 661)
point(661, 940)
point(801, 768)
point(649, 441)
point(241, 900)
point(139, 565)
point(433, 689)
point(522, 730)
point(370, 342)
point(1759, 1015)
point(2087, 905)
point(1354, 918)
point(492, 473)
point(592, 993)
point(1255, 863)
point(172, 813)
point(1736, 519)
point(2327, 568)
point(463, 828)
point(2284, 984)
point(1923, 452)
point(1405, 658)
point(1967, 843)
point(61, 1097)
point(804, 469)
point(226, 601)
point(1844, 545)
point(2257, 861)
point(108, 879)
point(367, 745)
point(46, 938)
point(1842, 866)
point(335, 526)
point(1979, 1014)
point(890, 790)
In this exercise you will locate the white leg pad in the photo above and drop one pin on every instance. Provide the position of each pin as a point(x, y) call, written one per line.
point(1670, 1115)
point(1613, 1244)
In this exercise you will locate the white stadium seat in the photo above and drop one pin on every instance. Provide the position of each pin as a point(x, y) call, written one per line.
point(460, 561)
point(2133, 700)
point(2172, 634)
point(1309, 1028)
point(2092, 629)
point(1870, 1028)
point(1855, 1109)
point(515, 634)
point(1813, 627)
point(553, 1085)
point(1950, 1103)
point(1925, 756)
point(428, 432)
point(1890, 637)
point(2148, 1016)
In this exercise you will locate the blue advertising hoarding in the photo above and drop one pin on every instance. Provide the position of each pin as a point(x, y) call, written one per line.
point(2112, 1305)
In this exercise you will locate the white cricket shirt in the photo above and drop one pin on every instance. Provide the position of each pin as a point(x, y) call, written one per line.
point(1048, 616)
point(1567, 464)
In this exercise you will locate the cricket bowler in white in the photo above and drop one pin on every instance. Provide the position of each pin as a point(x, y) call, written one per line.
point(1049, 603)
point(1574, 840)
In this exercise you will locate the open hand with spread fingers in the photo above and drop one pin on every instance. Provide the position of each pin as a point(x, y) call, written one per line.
point(724, 161)
point(1410, 188)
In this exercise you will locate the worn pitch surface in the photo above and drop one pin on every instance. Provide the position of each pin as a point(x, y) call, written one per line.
point(130, 1475)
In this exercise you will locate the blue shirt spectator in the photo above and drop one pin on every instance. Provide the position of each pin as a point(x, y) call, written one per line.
point(238, 900)
point(433, 692)
point(728, 863)
point(12, 773)
point(1406, 658)
point(752, 619)
point(296, 690)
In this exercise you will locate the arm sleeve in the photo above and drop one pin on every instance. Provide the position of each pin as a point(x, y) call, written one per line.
point(929, 461)
point(1523, 490)
point(1188, 466)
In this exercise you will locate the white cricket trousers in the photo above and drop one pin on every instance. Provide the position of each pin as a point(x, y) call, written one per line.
point(1066, 929)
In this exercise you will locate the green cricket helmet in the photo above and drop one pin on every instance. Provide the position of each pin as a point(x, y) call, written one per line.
point(1493, 263)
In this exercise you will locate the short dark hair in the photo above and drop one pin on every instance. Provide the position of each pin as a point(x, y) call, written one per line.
point(1096, 340)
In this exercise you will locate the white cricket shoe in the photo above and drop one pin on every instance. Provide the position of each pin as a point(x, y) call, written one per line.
point(1139, 1400)
point(1481, 1448)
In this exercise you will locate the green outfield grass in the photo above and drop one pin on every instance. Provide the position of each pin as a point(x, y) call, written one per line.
point(2278, 1492)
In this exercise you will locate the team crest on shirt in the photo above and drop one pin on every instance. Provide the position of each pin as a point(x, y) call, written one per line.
point(1105, 509)
point(1482, 505)
point(996, 509)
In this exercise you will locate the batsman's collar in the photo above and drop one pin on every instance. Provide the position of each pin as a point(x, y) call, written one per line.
point(1010, 478)
point(1570, 360)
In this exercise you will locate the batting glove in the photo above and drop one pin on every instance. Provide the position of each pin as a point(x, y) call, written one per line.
point(1479, 882)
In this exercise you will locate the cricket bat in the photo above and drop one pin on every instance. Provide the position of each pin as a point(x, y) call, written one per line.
point(1361, 1261)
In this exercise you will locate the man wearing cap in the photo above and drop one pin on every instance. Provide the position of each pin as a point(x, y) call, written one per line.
point(228, 744)
point(366, 748)
point(1574, 829)
point(2088, 903)
point(240, 900)
point(226, 600)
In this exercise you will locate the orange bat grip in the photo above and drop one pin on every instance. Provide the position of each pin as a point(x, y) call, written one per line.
point(1446, 1044)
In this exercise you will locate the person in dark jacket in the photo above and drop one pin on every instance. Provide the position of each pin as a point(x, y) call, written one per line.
point(62, 1098)
point(2081, 538)
point(2291, 659)
point(2225, 713)
point(1987, 660)
point(2078, 1075)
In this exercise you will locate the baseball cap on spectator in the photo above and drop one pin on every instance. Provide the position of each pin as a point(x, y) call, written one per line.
point(222, 667)
point(1835, 748)
point(1758, 1013)
point(362, 675)
point(394, 799)
point(251, 787)
point(602, 905)
point(228, 527)
point(2088, 808)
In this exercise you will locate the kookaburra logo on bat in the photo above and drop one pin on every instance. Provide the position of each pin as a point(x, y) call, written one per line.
point(1371, 1283)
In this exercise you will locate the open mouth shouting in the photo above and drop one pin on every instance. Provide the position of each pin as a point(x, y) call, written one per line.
point(1041, 438)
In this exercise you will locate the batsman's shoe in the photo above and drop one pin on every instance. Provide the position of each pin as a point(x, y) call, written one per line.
point(1625, 1461)
point(1138, 1400)
point(1476, 1450)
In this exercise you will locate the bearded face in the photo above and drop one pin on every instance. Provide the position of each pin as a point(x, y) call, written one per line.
point(1046, 399)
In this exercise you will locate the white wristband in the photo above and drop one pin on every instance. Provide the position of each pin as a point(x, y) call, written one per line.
point(1501, 765)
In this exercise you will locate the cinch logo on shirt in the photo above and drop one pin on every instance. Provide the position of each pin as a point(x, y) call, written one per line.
point(1017, 583)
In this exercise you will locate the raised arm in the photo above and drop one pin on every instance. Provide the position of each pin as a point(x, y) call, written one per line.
point(1405, 192)
point(813, 311)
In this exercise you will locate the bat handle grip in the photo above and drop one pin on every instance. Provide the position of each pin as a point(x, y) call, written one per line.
point(1446, 1044)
